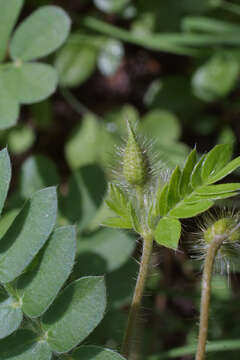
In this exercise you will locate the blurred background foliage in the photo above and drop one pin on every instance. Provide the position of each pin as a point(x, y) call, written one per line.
point(173, 67)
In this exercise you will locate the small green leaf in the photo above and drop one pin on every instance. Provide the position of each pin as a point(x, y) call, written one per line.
point(37, 172)
point(10, 317)
point(196, 178)
point(24, 345)
point(95, 353)
point(162, 203)
point(117, 222)
point(216, 78)
point(40, 34)
point(38, 289)
point(218, 189)
point(5, 171)
point(228, 169)
point(173, 190)
point(27, 234)
point(136, 225)
point(8, 17)
point(215, 160)
point(75, 62)
point(30, 82)
point(190, 209)
point(198, 198)
point(185, 187)
point(168, 232)
point(75, 313)
point(162, 125)
point(20, 138)
point(117, 201)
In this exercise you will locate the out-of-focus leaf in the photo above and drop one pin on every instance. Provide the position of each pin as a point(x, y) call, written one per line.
point(168, 232)
point(20, 139)
point(9, 108)
point(27, 234)
point(75, 313)
point(114, 247)
point(39, 288)
point(30, 82)
point(36, 173)
point(8, 16)
point(161, 125)
point(5, 170)
point(216, 78)
point(24, 345)
point(75, 62)
point(40, 34)
point(110, 57)
point(95, 353)
point(87, 187)
point(81, 149)
point(42, 114)
point(10, 317)
point(110, 6)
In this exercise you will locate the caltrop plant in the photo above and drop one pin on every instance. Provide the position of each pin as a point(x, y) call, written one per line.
point(151, 201)
point(40, 314)
point(22, 79)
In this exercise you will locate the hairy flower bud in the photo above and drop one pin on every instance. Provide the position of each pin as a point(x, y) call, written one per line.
point(135, 167)
point(226, 227)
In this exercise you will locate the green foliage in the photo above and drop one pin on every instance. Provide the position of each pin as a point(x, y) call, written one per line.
point(24, 81)
point(36, 260)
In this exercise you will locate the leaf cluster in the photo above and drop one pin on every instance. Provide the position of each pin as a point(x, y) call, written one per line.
point(40, 313)
point(188, 192)
point(22, 79)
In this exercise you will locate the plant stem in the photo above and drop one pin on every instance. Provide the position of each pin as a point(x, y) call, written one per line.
point(131, 329)
point(206, 292)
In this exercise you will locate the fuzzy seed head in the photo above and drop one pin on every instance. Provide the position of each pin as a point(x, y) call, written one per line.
point(223, 227)
point(135, 167)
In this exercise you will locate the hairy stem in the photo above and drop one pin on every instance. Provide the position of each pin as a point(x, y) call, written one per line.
point(205, 296)
point(128, 349)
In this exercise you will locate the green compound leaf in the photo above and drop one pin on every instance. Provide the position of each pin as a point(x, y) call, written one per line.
point(8, 17)
point(10, 317)
point(227, 169)
point(30, 82)
point(95, 353)
point(117, 201)
point(191, 161)
point(40, 34)
point(37, 172)
point(190, 209)
point(24, 345)
point(75, 313)
point(39, 288)
point(27, 234)
point(168, 232)
point(215, 160)
point(5, 171)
